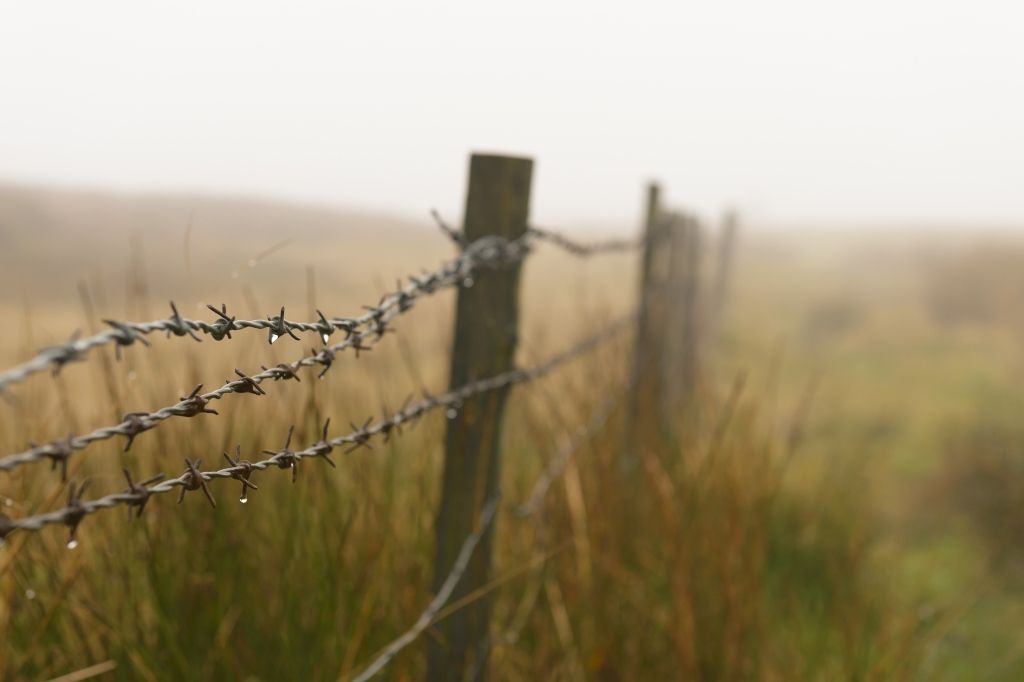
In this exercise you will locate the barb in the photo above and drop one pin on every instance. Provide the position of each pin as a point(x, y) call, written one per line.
point(567, 450)
point(486, 252)
point(440, 599)
point(193, 479)
point(361, 334)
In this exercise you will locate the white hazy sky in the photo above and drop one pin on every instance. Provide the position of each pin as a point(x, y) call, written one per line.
point(794, 110)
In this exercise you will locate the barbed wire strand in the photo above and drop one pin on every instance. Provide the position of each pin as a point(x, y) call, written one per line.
point(598, 418)
point(585, 249)
point(426, 618)
point(574, 247)
point(193, 479)
point(566, 451)
point(362, 333)
point(124, 333)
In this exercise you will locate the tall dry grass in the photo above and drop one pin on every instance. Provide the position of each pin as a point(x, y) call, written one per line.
point(707, 561)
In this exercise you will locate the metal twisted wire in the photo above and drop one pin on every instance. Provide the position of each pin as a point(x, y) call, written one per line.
point(583, 249)
point(566, 451)
point(362, 333)
point(440, 599)
point(598, 418)
point(192, 479)
point(124, 333)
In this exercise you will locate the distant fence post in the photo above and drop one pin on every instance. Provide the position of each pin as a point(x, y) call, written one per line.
point(645, 386)
point(486, 330)
point(726, 248)
point(681, 359)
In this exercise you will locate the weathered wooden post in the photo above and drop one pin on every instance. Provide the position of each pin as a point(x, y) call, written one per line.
point(486, 329)
point(645, 382)
point(681, 358)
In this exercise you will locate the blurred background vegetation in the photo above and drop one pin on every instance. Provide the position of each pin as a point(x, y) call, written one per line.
point(847, 505)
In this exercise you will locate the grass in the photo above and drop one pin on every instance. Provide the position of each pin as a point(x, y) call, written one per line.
point(822, 522)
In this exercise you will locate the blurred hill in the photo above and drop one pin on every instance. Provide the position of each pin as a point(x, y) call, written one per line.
point(53, 238)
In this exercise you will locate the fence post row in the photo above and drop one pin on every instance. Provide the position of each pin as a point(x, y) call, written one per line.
point(486, 331)
point(674, 321)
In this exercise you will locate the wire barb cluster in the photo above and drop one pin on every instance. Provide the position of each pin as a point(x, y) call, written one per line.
point(195, 479)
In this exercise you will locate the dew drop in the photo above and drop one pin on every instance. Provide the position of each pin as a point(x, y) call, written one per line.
point(452, 413)
point(243, 499)
point(326, 338)
point(30, 594)
point(72, 544)
point(468, 282)
point(274, 337)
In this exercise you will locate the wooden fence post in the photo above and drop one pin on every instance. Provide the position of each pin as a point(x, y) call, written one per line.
point(681, 359)
point(486, 329)
point(645, 382)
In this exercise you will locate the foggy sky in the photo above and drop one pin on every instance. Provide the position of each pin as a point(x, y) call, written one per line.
point(794, 110)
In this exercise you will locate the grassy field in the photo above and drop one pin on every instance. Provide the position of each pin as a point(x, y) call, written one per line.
point(847, 506)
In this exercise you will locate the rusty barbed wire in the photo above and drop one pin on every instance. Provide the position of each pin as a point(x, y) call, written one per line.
point(361, 334)
point(194, 479)
point(485, 251)
point(469, 545)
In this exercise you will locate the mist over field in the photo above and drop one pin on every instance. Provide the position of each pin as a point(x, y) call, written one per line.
point(707, 367)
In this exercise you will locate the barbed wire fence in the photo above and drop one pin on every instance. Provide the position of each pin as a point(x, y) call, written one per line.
point(493, 244)
point(194, 477)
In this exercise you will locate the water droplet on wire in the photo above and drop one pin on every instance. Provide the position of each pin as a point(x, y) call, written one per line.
point(468, 282)
point(452, 413)
point(72, 544)
point(326, 338)
point(274, 337)
point(243, 499)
